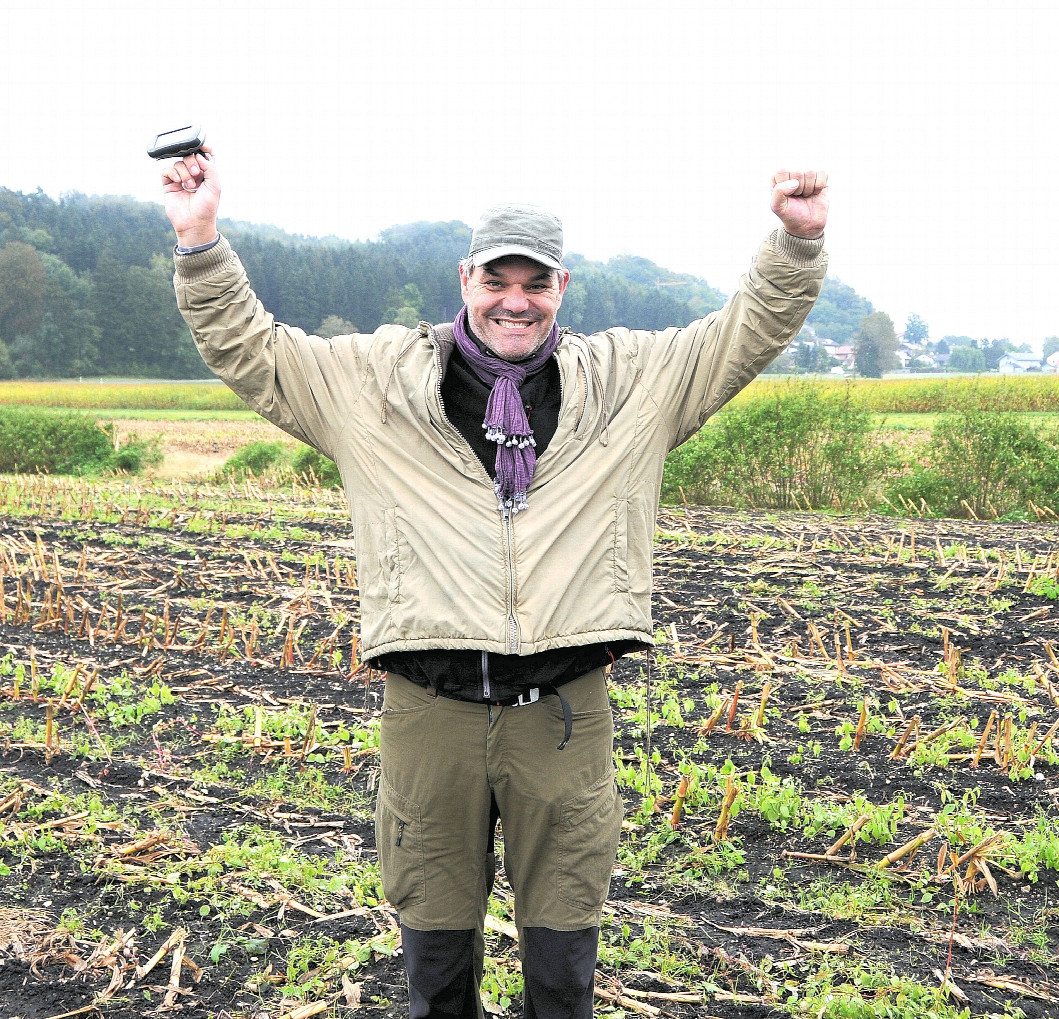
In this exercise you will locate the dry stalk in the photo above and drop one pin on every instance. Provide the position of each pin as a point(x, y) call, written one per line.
point(712, 721)
point(862, 722)
point(911, 727)
point(259, 725)
point(735, 704)
point(13, 801)
point(177, 937)
point(70, 685)
point(940, 731)
point(982, 742)
point(174, 976)
point(851, 831)
point(902, 851)
point(720, 833)
point(678, 803)
point(765, 691)
point(1047, 737)
point(310, 734)
point(818, 640)
point(617, 997)
point(50, 730)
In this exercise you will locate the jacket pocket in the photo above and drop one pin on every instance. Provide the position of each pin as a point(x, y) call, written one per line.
point(589, 829)
point(620, 549)
point(399, 838)
point(633, 542)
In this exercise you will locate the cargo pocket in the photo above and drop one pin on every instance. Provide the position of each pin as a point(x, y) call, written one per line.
point(399, 839)
point(589, 829)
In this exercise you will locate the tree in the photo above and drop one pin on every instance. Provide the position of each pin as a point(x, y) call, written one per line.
point(335, 325)
point(916, 330)
point(875, 345)
point(142, 333)
point(7, 370)
point(837, 311)
point(1051, 345)
point(67, 342)
point(813, 359)
point(994, 350)
point(405, 306)
point(22, 283)
point(966, 359)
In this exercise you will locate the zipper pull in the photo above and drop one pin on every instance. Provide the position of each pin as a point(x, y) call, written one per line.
point(400, 832)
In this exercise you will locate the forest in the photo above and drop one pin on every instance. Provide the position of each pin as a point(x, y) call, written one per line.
point(86, 287)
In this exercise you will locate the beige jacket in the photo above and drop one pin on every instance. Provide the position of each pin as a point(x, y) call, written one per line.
point(438, 566)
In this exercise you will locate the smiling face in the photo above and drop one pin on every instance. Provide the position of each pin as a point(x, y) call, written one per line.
point(512, 303)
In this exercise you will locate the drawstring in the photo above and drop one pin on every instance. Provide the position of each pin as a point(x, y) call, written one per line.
point(568, 715)
point(604, 435)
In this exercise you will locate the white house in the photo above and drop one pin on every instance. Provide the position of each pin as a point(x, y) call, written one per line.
point(1016, 364)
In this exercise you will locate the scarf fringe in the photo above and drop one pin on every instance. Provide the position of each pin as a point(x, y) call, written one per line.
point(510, 505)
point(498, 436)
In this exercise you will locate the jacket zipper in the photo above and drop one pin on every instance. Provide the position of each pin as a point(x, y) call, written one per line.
point(512, 624)
point(513, 627)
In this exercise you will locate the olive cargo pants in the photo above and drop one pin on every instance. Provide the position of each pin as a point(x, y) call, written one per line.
point(449, 768)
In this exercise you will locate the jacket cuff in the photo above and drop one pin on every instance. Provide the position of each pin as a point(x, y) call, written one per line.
point(800, 251)
point(200, 265)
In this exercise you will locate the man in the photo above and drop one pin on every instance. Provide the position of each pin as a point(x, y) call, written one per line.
point(503, 480)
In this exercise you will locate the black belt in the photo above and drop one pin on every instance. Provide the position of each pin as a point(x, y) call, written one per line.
point(531, 696)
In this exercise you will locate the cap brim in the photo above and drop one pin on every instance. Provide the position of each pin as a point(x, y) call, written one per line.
point(488, 255)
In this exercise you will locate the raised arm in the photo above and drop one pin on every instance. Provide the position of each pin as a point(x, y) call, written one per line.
point(300, 383)
point(694, 371)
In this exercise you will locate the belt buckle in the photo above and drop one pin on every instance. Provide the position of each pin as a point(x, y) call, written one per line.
point(531, 696)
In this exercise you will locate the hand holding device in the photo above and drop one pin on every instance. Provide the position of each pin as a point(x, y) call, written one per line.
point(183, 141)
point(191, 189)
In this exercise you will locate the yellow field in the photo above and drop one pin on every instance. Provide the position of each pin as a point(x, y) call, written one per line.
point(933, 395)
point(202, 396)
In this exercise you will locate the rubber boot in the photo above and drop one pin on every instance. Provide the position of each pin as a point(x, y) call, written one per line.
point(444, 971)
point(559, 971)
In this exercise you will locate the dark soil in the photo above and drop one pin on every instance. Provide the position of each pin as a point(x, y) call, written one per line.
point(112, 825)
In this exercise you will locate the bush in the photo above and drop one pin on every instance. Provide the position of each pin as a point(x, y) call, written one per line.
point(983, 463)
point(797, 447)
point(254, 460)
point(274, 459)
point(137, 455)
point(313, 468)
point(34, 440)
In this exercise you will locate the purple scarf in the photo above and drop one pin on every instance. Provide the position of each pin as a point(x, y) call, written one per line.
point(505, 421)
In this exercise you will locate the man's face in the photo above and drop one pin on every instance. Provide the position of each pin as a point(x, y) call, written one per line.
point(512, 303)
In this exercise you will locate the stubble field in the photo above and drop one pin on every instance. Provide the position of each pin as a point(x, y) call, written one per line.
point(839, 767)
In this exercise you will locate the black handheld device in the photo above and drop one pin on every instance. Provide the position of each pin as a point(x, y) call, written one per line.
point(182, 141)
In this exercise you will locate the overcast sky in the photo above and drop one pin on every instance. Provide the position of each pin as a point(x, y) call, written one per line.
point(650, 127)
